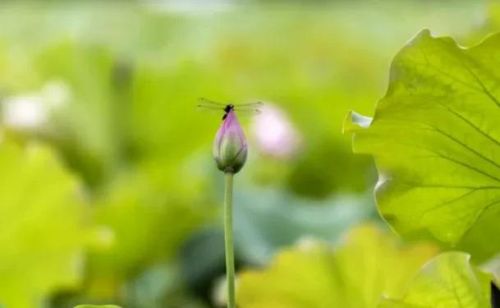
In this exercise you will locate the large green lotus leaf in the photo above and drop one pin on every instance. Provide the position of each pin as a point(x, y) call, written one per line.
point(447, 281)
point(42, 229)
point(436, 141)
point(368, 265)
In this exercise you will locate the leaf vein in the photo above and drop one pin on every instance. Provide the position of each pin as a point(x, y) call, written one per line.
point(460, 116)
point(481, 84)
point(466, 165)
point(478, 154)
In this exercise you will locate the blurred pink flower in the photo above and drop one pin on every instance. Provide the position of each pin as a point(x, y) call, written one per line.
point(274, 132)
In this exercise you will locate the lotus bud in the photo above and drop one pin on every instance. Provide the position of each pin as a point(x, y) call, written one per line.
point(230, 146)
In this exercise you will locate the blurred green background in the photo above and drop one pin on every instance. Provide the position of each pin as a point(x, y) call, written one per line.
point(109, 193)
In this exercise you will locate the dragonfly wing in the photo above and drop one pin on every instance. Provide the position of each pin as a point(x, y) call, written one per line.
point(206, 102)
point(254, 105)
point(250, 108)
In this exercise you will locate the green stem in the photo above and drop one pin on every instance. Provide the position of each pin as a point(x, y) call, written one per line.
point(228, 239)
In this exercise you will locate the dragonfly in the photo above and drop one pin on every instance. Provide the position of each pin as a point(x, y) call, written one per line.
point(226, 108)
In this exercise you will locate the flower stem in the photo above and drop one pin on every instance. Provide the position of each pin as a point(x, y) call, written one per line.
point(228, 239)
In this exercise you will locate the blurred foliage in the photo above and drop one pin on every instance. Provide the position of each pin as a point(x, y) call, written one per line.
point(107, 92)
point(448, 280)
point(44, 225)
point(490, 25)
point(261, 210)
point(149, 225)
point(367, 265)
point(97, 306)
point(435, 141)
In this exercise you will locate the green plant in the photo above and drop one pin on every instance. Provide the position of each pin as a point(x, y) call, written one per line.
point(436, 143)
